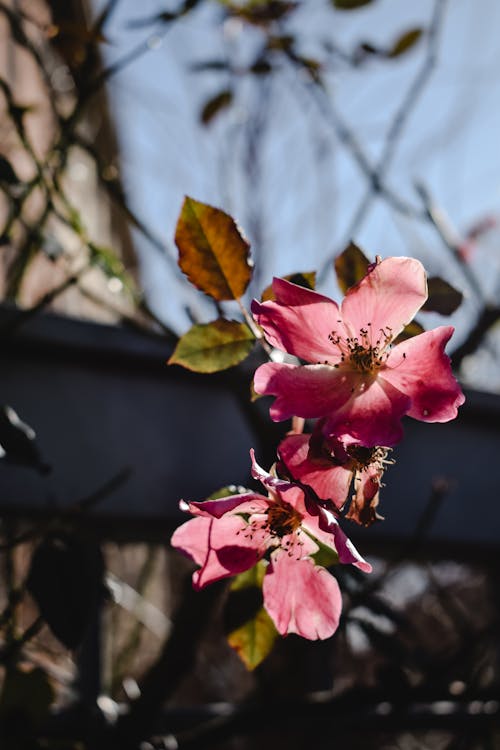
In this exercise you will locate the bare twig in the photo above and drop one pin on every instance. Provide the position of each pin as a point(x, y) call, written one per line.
point(393, 136)
point(448, 235)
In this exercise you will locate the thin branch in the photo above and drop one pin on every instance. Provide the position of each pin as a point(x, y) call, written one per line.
point(114, 189)
point(12, 648)
point(347, 137)
point(393, 136)
point(446, 232)
point(487, 319)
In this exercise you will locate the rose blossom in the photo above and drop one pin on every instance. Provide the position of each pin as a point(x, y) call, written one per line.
point(229, 535)
point(358, 379)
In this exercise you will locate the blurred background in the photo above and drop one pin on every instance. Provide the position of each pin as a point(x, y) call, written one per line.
point(313, 124)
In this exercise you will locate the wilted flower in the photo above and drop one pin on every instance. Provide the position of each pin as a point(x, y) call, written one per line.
point(329, 467)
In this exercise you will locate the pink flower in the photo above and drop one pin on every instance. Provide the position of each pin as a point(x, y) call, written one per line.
point(231, 534)
point(329, 467)
point(358, 380)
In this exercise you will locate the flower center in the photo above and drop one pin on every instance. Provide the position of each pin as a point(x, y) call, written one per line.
point(364, 457)
point(283, 520)
point(361, 352)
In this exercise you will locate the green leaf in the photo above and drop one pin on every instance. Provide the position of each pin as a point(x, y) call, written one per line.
point(247, 579)
point(111, 265)
point(349, 4)
point(443, 298)
point(76, 222)
point(215, 105)
point(410, 330)
point(254, 638)
point(306, 279)
point(244, 599)
point(325, 556)
point(211, 347)
point(351, 266)
point(212, 252)
point(405, 42)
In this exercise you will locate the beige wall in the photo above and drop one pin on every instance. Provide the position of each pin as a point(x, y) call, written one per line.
point(48, 87)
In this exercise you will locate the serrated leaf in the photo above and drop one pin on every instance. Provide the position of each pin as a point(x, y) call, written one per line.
point(211, 347)
point(443, 298)
point(215, 105)
point(351, 266)
point(405, 42)
point(349, 4)
point(410, 330)
point(212, 252)
point(306, 279)
point(254, 640)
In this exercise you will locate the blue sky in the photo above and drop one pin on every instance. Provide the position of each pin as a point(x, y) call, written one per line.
point(298, 195)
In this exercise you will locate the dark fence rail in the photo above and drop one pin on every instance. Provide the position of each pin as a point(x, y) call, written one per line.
point(107, 409)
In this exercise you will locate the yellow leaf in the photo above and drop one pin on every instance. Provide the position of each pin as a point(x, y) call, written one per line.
point(212, 252)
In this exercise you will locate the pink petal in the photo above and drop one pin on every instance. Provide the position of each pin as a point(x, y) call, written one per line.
point(328, 480)
point(267, 479)
point(313, 524)
point(420, 368)
point(220, 547)
point(286, 491)
point(387, 298)
point(301, 597)
point(248, 502)
point(347, 552)
point(311, 391)
point(299, 322)
point(372, 416)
